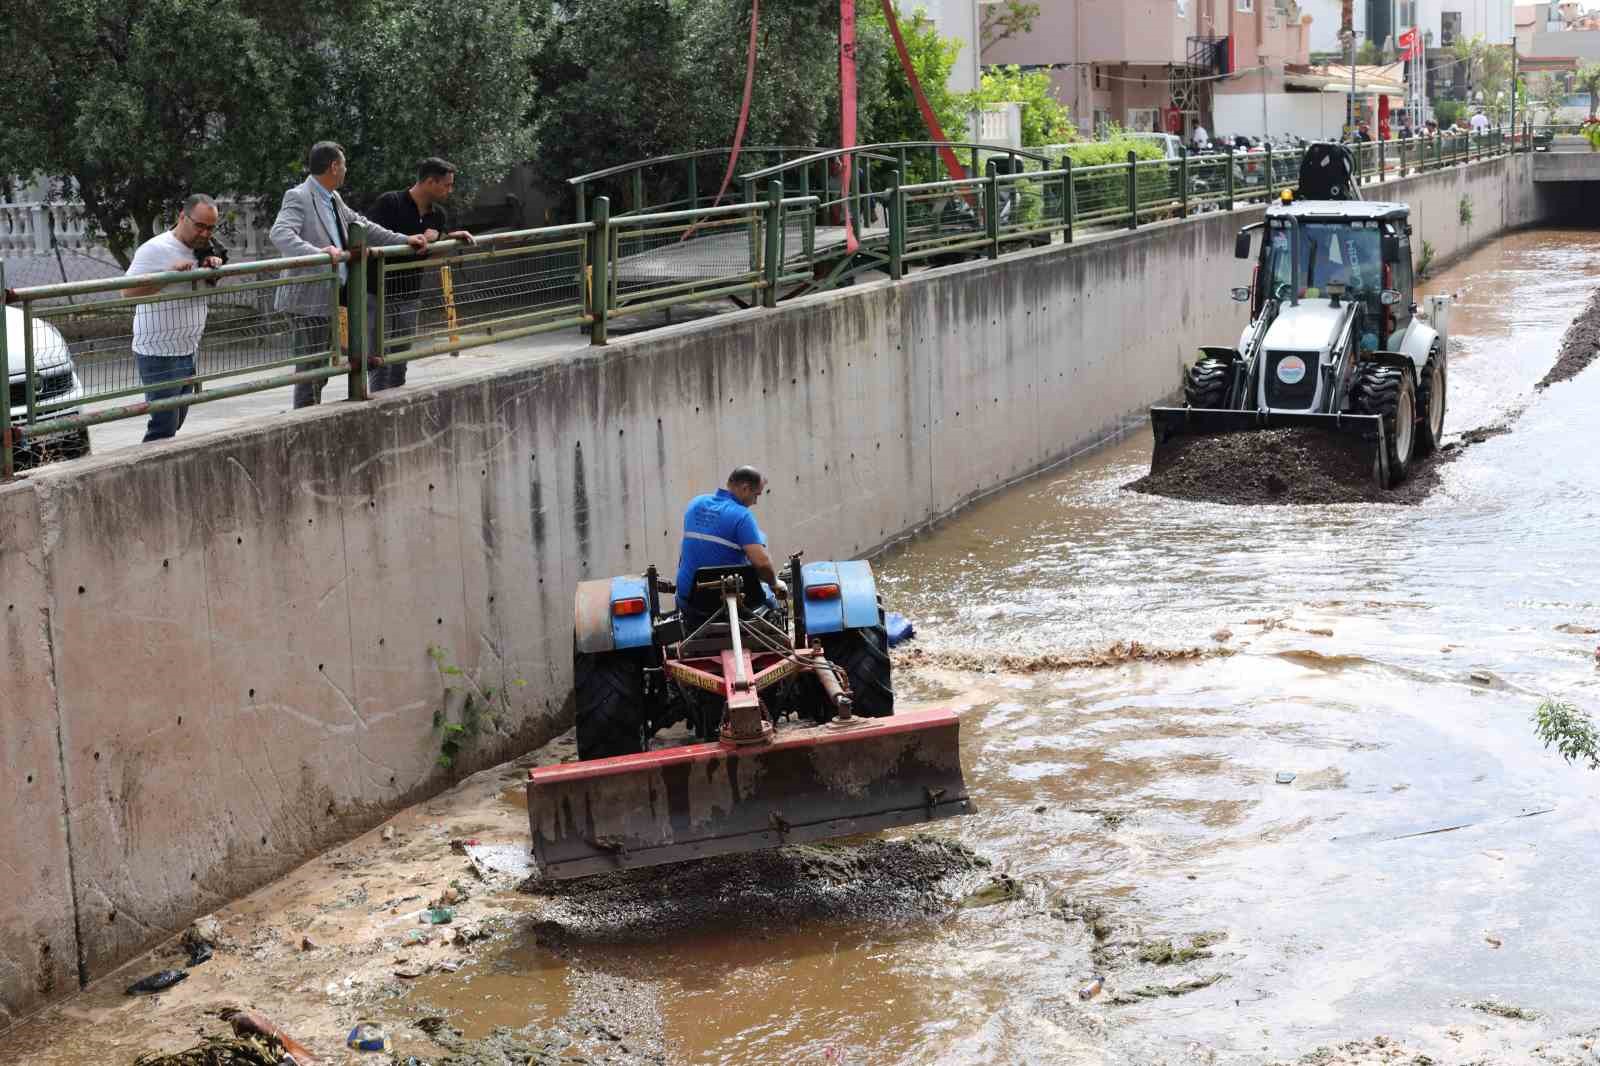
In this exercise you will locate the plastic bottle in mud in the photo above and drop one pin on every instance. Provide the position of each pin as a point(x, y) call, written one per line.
point(1092, 989)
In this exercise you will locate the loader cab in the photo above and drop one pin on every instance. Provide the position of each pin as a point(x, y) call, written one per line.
point(1346, 250)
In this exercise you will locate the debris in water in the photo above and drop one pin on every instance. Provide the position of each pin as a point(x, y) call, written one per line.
point(388, 833)
point(1123, 651)
point(222, 1051)
point(1482, 677)
point(248, 1023)
point(437, 916)
point(1492, 941)
point(367, 1036)
point(1157, 991)
point(1285, 777)
point(1504, 1010)
point(880, 879)
point(1092, 989)
point(1223, 635)
point(1577, 630)
point(1163, 953)
point(1001, 888)
point(1579, 345)
point(156, 982)
point(1273, 466)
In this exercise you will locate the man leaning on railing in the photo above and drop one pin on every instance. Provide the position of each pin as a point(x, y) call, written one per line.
point(419, 209)
point(166, 335)
point(315, 221)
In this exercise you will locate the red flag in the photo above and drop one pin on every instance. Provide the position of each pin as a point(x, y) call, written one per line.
point(1408, 44)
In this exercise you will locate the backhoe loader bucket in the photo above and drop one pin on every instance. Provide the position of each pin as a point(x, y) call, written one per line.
point(721, 798)
point(1171, 426)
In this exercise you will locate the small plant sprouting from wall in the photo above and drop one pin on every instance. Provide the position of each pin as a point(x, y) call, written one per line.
point(1425, 260)
point(1464, 210)
point(1570, 731)
point(468, 709)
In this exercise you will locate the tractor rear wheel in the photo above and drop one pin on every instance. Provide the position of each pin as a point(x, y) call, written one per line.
point(611, 711)
point(1205, 384)
point(863, 654)
point(1391, 393)
point(1431, 404)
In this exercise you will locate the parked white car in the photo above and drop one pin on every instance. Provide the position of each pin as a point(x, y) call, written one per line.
point(1170, 144)
point(55, 381)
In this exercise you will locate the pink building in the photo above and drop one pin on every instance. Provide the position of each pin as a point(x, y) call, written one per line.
point(1165, 64)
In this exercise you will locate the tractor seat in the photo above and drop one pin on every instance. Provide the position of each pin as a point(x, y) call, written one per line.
point(709, 601)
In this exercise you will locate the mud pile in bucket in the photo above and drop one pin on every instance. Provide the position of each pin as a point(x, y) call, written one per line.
point(1289, 466)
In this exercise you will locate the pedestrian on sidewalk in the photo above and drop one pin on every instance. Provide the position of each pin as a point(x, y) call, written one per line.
point(314, 220)
point(417, 210)
point(166, 335)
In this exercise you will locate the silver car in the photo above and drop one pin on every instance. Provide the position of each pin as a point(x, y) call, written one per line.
point(55, 382)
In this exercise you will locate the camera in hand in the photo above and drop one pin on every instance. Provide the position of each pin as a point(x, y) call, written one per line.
point(212, 248)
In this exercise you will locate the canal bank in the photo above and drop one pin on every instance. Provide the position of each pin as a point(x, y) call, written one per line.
point(228, 653)
point(1423, 873)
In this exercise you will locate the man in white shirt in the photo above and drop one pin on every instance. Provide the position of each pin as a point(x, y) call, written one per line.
point(1202, 139)
point(166, 335)
point(1480, 122)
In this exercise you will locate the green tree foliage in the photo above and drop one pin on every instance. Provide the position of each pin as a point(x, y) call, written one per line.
point(1369, 54)
point(1549, 96)
point(1447, 112)
point(891, 113)
point(1570, 731)
point(1587, 80)
point(130, 105)
point(1488, 69)
point(1044, 116)
point(1003, 20)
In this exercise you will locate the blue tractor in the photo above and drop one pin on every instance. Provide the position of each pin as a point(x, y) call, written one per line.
point(790, 713)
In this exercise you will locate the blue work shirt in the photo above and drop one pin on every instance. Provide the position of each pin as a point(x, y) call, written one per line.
point(716, 527)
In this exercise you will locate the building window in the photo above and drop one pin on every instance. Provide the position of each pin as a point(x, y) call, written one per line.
point(1144, 119)
point(1245, 5)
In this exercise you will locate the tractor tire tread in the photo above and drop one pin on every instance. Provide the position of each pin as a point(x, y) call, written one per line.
point(1426, 443)
point(1377, 392)
point(864, 656)
point(1205, 384)
point(610, 715)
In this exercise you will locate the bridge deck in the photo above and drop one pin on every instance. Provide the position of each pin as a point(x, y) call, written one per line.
point(655, 260)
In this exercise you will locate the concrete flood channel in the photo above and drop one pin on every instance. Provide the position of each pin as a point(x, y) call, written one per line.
point(1135, 674)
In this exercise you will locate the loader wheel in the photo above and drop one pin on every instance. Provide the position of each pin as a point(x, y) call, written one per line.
point(1431, 404)
point(864, 655)
point(1206, 383)
point(1391, 393)
point(611, 711)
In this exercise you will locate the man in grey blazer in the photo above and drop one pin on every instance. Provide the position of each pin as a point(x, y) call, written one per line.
point(315, 221)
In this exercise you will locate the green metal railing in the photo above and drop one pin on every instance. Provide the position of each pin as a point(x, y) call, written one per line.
point(79, 367)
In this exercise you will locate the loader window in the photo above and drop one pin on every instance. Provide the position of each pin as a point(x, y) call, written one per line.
point(1343, 253)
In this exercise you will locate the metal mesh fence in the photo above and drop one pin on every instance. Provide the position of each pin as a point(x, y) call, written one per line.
point(1100, 194)
point(948, 217)
point(651, 262)
point(114, 348)
point(495, 291)
point(1208, 182)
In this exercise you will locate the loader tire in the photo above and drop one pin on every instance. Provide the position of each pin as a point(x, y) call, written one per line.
point(1205, 384)
point(1390, 393)
point(610, 698)
point(864, 656)
point(1431, 404)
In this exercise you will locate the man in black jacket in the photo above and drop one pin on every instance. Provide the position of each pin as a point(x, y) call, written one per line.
point(411, 211)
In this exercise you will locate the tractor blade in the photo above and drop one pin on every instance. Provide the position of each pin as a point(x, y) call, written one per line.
point(1171, 425)
point(701, 800)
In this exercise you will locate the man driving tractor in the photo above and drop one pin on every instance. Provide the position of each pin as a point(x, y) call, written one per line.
point(719, 529)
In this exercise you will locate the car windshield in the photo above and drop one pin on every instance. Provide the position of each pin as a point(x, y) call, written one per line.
point(1331, 253)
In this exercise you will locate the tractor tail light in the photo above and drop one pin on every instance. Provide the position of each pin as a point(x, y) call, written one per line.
point(623, 608)
point(822, 592)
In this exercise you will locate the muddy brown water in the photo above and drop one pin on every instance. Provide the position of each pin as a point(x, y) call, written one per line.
point(1427, 854)
point(1134, 673)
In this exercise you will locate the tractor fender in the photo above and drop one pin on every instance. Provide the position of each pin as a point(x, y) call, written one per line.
point(856, 606)
point(596, 628)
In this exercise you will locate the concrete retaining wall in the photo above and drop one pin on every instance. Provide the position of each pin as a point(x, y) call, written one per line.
point(221, 653)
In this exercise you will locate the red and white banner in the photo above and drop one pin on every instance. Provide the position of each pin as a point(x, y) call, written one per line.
point(1408, 44)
